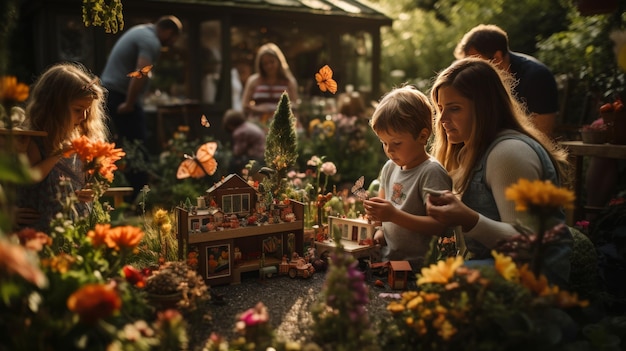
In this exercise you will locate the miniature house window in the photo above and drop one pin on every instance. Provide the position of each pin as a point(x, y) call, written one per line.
point(238, 203)
point(363, 233)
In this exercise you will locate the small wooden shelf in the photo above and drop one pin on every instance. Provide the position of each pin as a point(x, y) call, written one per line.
point(22, 132)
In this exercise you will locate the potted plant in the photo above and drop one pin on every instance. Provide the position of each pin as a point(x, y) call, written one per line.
point(176, 285)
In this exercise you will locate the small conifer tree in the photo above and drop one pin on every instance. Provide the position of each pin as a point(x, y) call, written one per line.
point(280, 148)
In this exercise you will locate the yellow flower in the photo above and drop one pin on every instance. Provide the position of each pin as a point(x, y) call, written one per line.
point(505, 266)
point(11, 90)
point(541, 194)
point(161, 217)
point(329, 128)
point(447, 330)
point(395, 307)
point(441, 272)
point(313, 124)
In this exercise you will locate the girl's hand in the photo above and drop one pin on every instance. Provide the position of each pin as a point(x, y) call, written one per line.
point(85, 195)
point(379, 210)
point(448, 209)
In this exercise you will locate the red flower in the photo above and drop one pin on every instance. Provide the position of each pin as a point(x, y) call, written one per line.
point(134, 276)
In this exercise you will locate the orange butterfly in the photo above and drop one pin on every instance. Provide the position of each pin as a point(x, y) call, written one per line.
point(199, 165)
point(140, 73)
point(205, 122)
point(325, 79)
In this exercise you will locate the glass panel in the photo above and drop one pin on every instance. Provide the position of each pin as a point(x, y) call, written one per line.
point(75, 42)
point(227, 204)
point(245, 202)
point(356, 49)
point(210, 59)
point(236, 203)
point(170, 76)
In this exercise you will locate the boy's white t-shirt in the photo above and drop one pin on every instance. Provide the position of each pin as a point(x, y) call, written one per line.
point(405, 190)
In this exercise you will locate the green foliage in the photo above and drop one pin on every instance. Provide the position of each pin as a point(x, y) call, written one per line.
point(584, 54)
point(107, 13)
point(424, 33)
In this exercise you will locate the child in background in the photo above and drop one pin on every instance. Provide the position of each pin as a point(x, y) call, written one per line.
point(66, 102)
point(403, 123)
point(248, 141)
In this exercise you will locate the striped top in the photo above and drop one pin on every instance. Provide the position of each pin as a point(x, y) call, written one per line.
point(269, 94)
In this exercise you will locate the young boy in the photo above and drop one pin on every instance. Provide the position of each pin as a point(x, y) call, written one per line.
point(403, 123)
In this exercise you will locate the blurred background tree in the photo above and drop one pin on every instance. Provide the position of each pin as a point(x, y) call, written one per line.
point(577, 48)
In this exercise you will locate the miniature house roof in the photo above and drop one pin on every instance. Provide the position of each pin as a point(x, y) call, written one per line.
point(399, 266)
point(232, 181)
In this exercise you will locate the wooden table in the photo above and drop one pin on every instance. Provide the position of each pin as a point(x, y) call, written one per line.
point(578, 150)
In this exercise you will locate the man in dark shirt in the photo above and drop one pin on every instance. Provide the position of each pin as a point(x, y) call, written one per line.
point(536, 87)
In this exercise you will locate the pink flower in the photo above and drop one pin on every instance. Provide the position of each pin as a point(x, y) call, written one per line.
point(17, 259)
point(329, 168)
point(256, 315)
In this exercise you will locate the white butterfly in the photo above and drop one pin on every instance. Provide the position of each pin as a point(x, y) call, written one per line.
point(357, 189)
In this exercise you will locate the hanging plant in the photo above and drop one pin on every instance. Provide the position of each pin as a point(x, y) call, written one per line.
point(107, 13)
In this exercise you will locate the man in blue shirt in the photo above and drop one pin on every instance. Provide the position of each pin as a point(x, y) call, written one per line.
point(137, 48)
point(536, 87)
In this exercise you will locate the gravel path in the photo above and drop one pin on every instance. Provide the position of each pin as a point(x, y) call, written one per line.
point(289, 303)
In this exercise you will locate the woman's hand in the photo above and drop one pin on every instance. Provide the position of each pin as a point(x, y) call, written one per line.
point(85, 195)
point(448, 209)
point(378, 209)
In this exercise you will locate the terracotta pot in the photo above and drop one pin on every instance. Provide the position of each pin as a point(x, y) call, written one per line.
point(164, 302)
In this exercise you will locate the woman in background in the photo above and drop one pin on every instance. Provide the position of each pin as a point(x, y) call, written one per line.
point(264, 88)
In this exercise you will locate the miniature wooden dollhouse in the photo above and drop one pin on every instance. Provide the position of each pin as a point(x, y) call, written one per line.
point(398, 274)
point(356, 236)
point(230, 235)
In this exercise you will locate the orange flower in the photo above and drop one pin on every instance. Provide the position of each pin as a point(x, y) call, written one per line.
point(99, 234)
point(539, 285)
point(97, 156)
point(11, 90)
point(124, 237)
point(94, 301)
point(60, 263)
